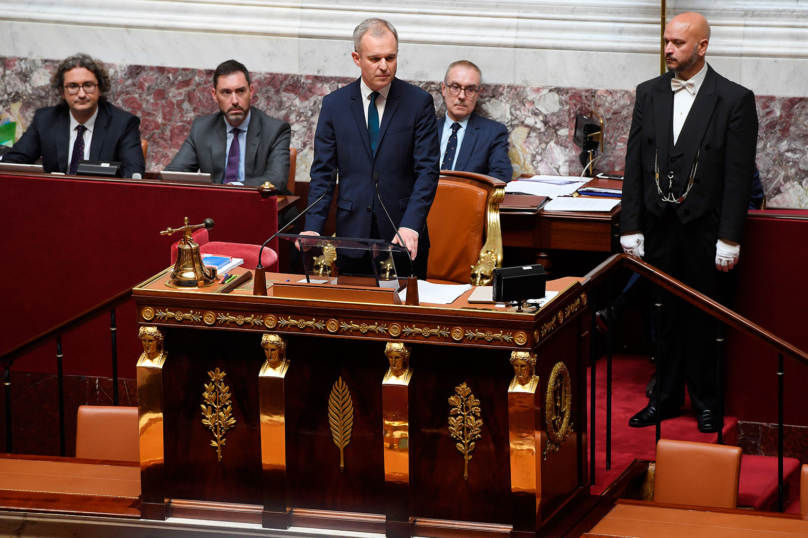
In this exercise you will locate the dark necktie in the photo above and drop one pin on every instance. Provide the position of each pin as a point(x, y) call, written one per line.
point(451, 148)
point(231, 171)
point(78, 150)
point(373, 123)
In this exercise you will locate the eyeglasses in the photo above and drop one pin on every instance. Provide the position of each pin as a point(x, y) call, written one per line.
point(455, 90)
point(73, 89)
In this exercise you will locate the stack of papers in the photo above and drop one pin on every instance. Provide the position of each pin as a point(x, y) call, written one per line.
point(437, 293)
point(550, 186)
point(603, 205)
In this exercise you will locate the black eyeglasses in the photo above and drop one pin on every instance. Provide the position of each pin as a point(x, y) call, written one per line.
point(73, 89)
point(455, 90)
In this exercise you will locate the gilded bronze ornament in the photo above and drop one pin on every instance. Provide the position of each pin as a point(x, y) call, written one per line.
point(465, 426)
point(489, 336)
point(457, 334)
point(275, 350)
point(398, 354)
point(227, 319)
point(426, 332)
point(332, 326)
point(524, 368)
point(326, 265)
point(147, 313)
point(270, 321)
point(395, 330)
point(218, 413)
point(520, 338)
point(152, 340)
point(483, 272)
point(340, 417)
point(558, 408)
point(165, 315)
point(209, 318)
point(378, 328)
point(302, 324)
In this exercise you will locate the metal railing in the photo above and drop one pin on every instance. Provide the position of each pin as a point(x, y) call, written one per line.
point(603, 273)
point(56, 333)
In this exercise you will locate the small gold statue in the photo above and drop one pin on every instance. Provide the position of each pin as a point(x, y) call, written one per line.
point(524, 366)
point(387, 269)
point(399, 356)
point(189, 271)
point(274, 349)
point(326, 265)
point(152, 340)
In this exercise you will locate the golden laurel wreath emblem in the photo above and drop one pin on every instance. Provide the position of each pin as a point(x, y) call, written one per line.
point(559, 408)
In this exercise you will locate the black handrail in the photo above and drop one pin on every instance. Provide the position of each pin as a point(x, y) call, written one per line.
point(724, 315)
point(8, 358)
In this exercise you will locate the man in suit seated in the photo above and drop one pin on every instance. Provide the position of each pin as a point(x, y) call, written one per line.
point(378, 130)
point(469, 142)
point(238, 145)
point(83, 126)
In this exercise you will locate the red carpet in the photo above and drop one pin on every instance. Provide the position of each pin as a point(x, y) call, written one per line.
point(630, 374)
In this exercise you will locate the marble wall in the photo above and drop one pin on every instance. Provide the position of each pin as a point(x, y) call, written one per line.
point(539, 118)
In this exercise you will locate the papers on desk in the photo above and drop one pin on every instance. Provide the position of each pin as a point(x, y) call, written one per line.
point(602, 205)
point(550, 186)
point(437, 293)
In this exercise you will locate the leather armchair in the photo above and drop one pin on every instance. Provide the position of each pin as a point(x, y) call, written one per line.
point(697, 474)
point(464, 229)
point(247, 252)
point(107, 433)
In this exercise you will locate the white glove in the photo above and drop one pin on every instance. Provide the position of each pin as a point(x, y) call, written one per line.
point(633, 244)
point(726, 256)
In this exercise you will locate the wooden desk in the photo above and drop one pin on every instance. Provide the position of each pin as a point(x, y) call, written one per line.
point(401, 462)
point(635, 519)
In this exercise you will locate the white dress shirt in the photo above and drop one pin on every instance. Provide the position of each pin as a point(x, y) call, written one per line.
point(88, 137)
point(683, 101)
point(381, 100)
point(242, 146)
point(447, 132)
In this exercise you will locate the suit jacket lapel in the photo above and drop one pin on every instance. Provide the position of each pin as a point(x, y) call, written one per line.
point(358, 109)
point(218, 148)
point(698, 119)
point(663, 111)
point(467, 147)
point(99, 132)
point(253, 139)
point(61, 129)
point(389, 110)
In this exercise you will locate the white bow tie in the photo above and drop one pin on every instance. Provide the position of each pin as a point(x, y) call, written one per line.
point(678, 84)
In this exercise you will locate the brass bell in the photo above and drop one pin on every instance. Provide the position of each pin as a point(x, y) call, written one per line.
point(189, 271)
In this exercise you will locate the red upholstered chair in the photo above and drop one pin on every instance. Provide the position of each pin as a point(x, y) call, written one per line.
point(465, 214)
point(804, 491)
point(107, 433)
point(249, 253)
point(697, 474)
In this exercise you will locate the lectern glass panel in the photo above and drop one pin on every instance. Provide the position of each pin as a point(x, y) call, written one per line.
point(320, 259)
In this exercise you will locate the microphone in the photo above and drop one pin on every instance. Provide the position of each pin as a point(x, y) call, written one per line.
point(412, 280)
point(260, 283)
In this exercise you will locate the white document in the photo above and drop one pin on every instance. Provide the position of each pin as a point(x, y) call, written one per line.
point(437, 293)
point(540, 188)
point(582, 204)
point(553, 180)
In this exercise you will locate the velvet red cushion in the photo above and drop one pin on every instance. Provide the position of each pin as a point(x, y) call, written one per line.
point(241, 250)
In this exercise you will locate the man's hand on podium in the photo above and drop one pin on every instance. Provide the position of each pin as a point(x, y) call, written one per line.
point(297, 243)
point(410, 240)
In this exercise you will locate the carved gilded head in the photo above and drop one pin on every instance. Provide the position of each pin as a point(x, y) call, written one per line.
point(274, 348)
point(399, 356)
point(152, 340)
point(524, 366)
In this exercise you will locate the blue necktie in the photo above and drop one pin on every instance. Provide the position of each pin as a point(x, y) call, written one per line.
point(373, 123)
point(78, 150)
point(451, 148)
point(231, 171)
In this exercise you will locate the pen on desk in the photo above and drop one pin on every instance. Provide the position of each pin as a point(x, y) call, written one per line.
point(235, 282)
point(225, 277)
point(230, 279)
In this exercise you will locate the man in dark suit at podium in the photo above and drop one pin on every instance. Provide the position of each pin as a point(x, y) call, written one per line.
point(469, 142)
point(84, 126)
point(381, 125)
point(689, 168)
point(239, 145)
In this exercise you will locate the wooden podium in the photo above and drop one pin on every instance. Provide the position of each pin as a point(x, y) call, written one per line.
point(380, 418)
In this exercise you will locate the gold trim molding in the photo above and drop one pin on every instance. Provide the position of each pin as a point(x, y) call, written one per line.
point(165, 315)
point(218, 413)
point(558, 408)
point(426, 332)
point(489, 336)
point(378, 328)
point(301, 323)
point(227, 319)
point(465, 424)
